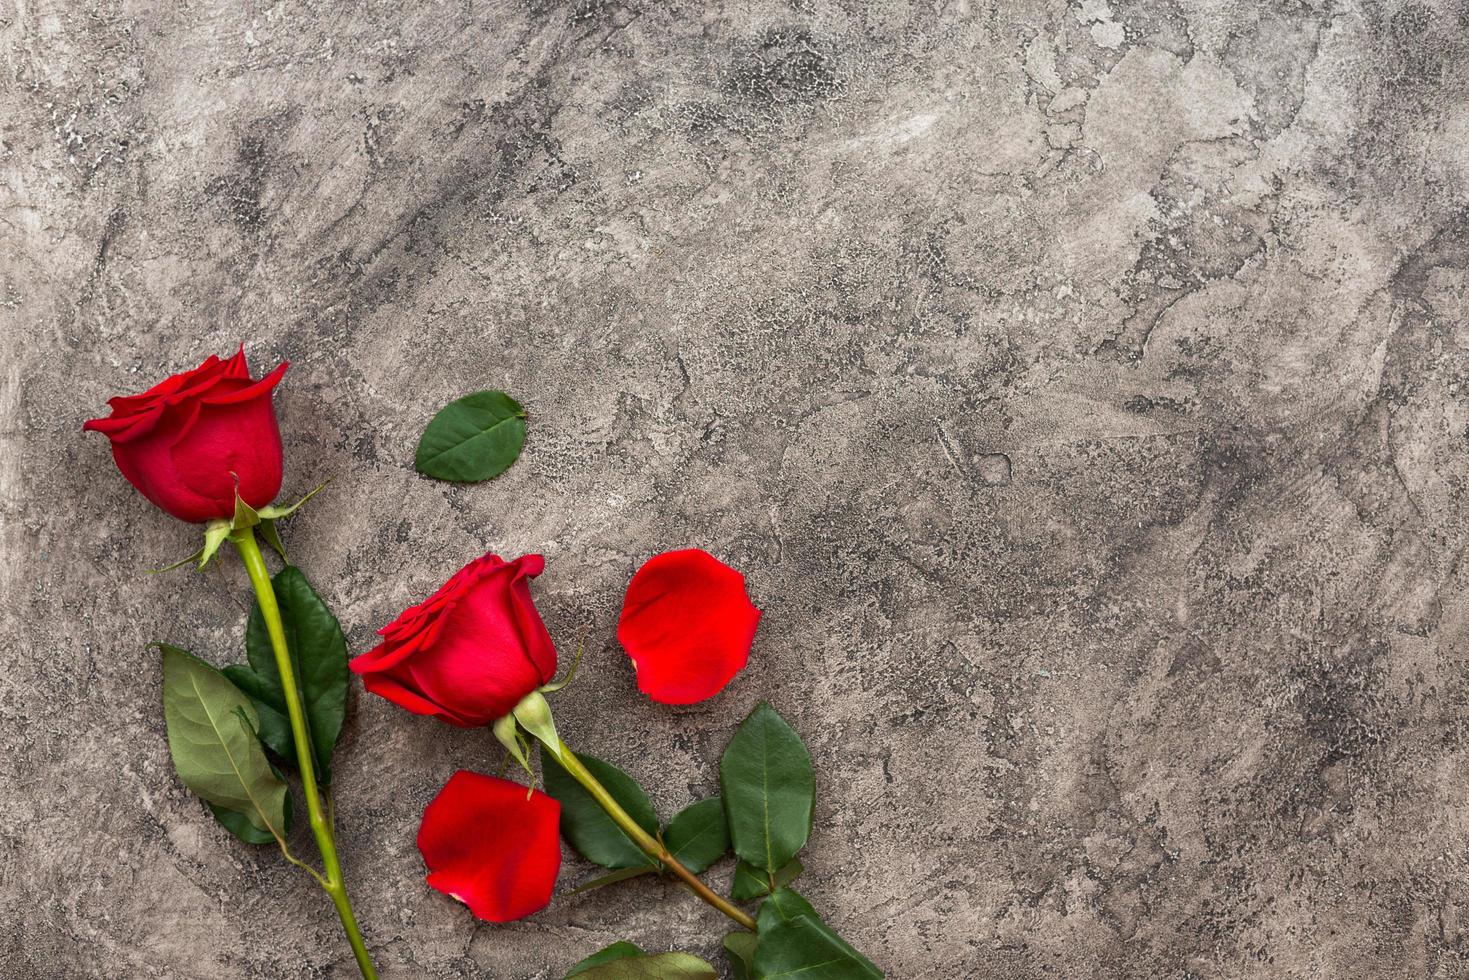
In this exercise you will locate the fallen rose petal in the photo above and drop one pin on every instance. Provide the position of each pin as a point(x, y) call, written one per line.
point(687, 624)
point(491, 847)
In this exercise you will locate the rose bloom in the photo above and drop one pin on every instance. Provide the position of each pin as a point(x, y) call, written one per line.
point(471, 651)
point(192, 441)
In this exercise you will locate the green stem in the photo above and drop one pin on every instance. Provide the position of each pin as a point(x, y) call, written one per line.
point(650, 845)
point(321, 824)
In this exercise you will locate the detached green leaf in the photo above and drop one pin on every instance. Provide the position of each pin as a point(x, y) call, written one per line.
point(214, 748)
point(620, 950)
point(586, 826)
point(319, 657)
point(474, 438)
point(769, 789)
point(806, 947)
point(752, 882)
point(741, 949)
point(665, 966)
point(699, 835)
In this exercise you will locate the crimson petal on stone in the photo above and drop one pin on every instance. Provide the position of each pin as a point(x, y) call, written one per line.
point(687, 624)
point(491, 847)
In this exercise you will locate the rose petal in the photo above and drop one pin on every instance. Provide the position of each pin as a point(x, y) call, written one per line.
point(490, 846)
point(687, 624)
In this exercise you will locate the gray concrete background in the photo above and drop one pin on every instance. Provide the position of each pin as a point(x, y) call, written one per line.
point(1082, 388)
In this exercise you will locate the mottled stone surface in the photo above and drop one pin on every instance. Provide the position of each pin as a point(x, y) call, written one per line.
point(1083, 388)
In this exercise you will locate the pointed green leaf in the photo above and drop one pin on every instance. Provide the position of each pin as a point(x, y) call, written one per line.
point(806, 947)
point(319, 661)
point(699, 835)
point(620, 950)
point(586, 826)
point(785, 904)
point(749, 882)
point(274, 727)
point(665, 966)
point(741, 949)
point(239, 824)
point(612, 878)
point(474, 438)
point(769, 789)
point(752, 882)
point(213, 746)
point(794, 942)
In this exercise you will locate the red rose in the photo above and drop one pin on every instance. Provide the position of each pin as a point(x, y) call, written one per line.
point(687, 624)
point(192, 441)
point(491, 846)
point(469, 653)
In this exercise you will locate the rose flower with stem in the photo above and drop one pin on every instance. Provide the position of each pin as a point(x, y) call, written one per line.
point(205, 446)
point(477, 654)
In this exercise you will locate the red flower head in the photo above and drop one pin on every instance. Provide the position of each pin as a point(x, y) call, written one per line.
point(471, 651)
point(687, 624)
point(490, 846)
point(192, 441)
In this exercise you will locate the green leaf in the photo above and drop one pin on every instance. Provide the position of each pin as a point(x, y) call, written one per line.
point(752, 882)
point(749, 882)
point(620, 950)
point(741, 949)
point(239, 825)
point(782, 906)
point(586, 826)
point(474, 438)
point(612, 878)
point(214, 748)
point(665, 966)
point(699, 835)
point(793, 941)
point(319, 661)
point(806, 947)
point(769, 789)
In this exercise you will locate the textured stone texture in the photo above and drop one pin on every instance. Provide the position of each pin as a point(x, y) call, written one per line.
point(1082, 388)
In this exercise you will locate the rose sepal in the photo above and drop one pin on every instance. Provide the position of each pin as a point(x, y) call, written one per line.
point(534, 715)
point(508, 733)
point(575, 663)
point(217, 531)
point(275, 511)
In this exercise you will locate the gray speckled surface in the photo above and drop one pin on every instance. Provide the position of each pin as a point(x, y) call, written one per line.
point(1082, 388)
